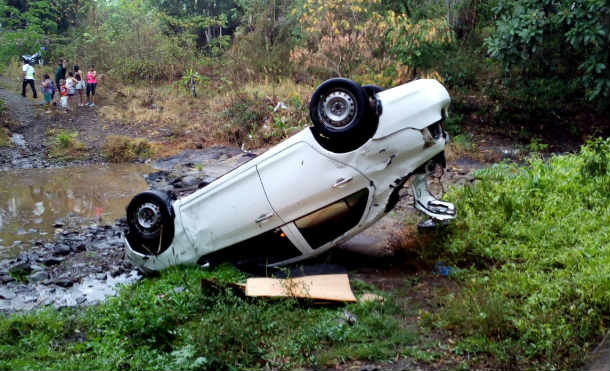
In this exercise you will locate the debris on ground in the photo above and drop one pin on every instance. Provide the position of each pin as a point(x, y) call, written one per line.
point(330, 287)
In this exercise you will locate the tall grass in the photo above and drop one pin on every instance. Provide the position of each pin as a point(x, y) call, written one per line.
point(535, 242)
point(170, 323)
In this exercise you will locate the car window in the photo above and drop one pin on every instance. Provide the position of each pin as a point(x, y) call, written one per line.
point(330, 222)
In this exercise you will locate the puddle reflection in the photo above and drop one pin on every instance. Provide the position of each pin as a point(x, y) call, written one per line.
point(32, 200)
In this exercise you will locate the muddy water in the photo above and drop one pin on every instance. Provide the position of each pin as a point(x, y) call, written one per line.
point(34, 203)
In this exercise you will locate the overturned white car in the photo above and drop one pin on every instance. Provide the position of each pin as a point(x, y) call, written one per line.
point(312, 191)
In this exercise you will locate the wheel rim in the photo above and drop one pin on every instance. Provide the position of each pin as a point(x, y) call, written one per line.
point(148, 216)
point(338, 109)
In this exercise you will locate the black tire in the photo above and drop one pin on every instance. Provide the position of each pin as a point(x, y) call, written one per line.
point(337, 107)
point(340, 112)
point(150, 218)
point(372, 89)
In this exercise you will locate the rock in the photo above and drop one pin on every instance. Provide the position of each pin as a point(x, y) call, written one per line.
point(185, 181)
point(19, 269)
point(63, 282)
point(38, 276)
point(79, 247)
point(347, 317)
point(5, 278)
point(51, 260)
point(61, 250)
point(36, 267)
point(115, 271)
point(6, 294)
point(23, 257)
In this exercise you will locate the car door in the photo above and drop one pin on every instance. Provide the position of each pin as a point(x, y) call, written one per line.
point(234, 209)
point(300, 180)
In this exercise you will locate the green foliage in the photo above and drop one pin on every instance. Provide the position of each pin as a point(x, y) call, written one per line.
point(121, 149)
point(537, 294)
point(418, 44)
point(65, 139)
point(169, 323)
point(210, 22)
point(65, 144)
point(25, 26)
point(263, 40)
point(555, 36)
point(539, 103)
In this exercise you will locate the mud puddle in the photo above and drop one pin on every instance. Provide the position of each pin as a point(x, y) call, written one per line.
point(37, 203)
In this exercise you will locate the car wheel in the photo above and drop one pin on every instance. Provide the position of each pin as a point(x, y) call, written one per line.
point(150, 218)
point(372, 89)
point(339, 111)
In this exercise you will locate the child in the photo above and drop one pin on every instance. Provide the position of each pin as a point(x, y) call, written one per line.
point(63, 92)
point(71, 86)
point(47, 90)
point(80, 85)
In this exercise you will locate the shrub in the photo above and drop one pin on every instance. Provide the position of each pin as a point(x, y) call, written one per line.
point(65, 145)
point(535, 242)
point(121, 149)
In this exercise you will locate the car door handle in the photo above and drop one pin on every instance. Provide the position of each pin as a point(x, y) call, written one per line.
point(342, 181)
point(264, 218)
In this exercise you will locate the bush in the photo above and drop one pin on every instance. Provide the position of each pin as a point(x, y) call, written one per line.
point(535, 242)
point(543, 38)
point(171, 322)
point(65, 145)
point(121, 149)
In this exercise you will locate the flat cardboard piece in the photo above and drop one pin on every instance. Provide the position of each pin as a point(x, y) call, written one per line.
point(333, 287)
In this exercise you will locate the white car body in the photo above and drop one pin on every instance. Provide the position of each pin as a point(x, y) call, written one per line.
point(288, 189)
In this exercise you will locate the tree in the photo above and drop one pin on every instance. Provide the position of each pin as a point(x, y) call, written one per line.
point(547, 37)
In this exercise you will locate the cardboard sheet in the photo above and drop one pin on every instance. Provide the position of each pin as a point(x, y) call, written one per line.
point(332, 287)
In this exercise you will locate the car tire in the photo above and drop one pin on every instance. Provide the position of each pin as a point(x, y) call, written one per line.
point(340, 113)
point(372, 89)
point(150, 218)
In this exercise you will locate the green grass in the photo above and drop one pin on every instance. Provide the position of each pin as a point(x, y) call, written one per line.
point(5, 140)
point(169, 323)
point(535, 245)
point(65, 145)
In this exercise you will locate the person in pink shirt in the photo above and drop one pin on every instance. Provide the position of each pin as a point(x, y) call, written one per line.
point(91, 84)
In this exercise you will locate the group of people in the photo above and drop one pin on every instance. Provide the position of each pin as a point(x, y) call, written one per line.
point(65, 88)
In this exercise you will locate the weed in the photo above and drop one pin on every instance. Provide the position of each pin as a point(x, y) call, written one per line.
point(536, 240)
point(452, 124)
point(153, 325)
point(65, 145)
point(120, 149)
point(460, 145)
point(5, 139)
point(536, 145)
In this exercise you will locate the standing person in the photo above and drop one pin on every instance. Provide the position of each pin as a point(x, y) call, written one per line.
point(91, 84)
point(60, 72)
point(47, 91)
point(71, 87)
point(80, 85)
point(28, 78)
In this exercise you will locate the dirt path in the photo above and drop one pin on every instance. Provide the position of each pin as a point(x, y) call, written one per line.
point(31, 126)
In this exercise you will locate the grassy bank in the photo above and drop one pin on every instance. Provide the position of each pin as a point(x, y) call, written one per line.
point(169, 323)
point(534, 245)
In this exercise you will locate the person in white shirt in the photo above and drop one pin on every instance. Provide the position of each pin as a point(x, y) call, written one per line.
point(28, 78)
